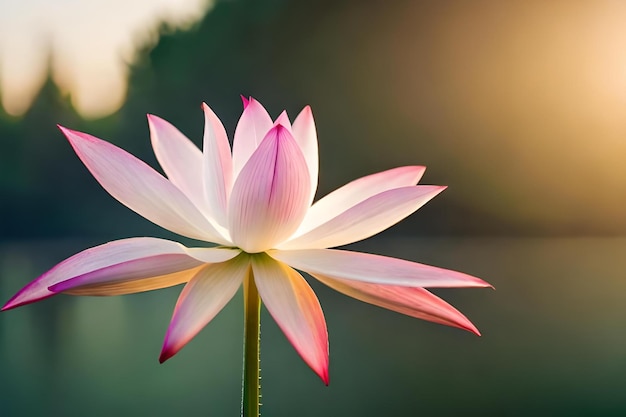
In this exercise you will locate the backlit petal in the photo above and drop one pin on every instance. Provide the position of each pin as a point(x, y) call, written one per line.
point(306, 137)
point(270, 196)
point(356, 191)
point(218, 166)
point(180, 159)
point(253, 125)
point(112, 258)
point(294, 306)
point(146, 267)
point(366, 219)
point(200, 301)
point(412, 301)
point(375, 269)
point(140, 188)
point(136, 285)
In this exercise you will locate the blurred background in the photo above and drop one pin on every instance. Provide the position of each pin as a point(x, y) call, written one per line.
point(519, 107)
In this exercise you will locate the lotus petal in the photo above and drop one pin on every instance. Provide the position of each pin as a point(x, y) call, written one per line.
point(200, 301)
point(112, 261)
point(375, 269)
point(253, 125)
point(133, 286)
point(365, 219)
point(146, 267)
point(355, 192)
point(306, 137)
point(270, 195)
point(412, 301)
point(218, 166)
point(180, 159)
point(140, 188)
point(294, 306)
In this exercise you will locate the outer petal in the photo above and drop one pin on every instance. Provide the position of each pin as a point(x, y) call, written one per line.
point(112, 262)
point(180, 159)
point(270, 196)
point(217, 167)
point(144, 268)
point(412, 301)
point(136, 285)
point(253, 125)
point(366, 219)
point(376, 269)
point(140, 188)
point(201, 299)
point(306, 136)
point(357, 191)
point(294, 306)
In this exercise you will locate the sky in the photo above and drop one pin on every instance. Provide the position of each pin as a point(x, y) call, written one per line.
point(88, 44)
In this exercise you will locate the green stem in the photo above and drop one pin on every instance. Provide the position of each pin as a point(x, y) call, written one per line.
point(251, 396)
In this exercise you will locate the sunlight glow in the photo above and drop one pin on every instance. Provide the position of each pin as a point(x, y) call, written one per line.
point(87, 44)
point(533, 92)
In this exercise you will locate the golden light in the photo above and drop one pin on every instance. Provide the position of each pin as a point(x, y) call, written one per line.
point(519, 106)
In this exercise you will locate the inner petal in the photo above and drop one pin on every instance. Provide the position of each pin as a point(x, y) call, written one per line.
point(270, 195)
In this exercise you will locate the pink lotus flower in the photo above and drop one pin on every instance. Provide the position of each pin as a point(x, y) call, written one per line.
point(256, 204)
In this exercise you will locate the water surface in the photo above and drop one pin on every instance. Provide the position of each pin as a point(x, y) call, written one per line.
point(554, 343)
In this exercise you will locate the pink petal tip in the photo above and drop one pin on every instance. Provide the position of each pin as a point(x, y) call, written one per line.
point(166, 353)
point(10, 305)
point(325, 377)
point(23, 298)
point(245, 101)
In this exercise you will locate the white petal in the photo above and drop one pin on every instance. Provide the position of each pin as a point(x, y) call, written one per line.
point(200, 301)
point(306, 136)
point(365, 219)
point(140, 188)
point(109, 261)
point(217, 167)
point(375, 269)
point(253, 125)
point(180, 159)
point(354, 192)
point(294, 306)
point(146, 267)
point(270, 195)
point(412, 301)
point(136, 285)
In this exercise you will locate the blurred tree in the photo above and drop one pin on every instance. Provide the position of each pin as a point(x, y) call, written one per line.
point(278, 51)
point(31, 164)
